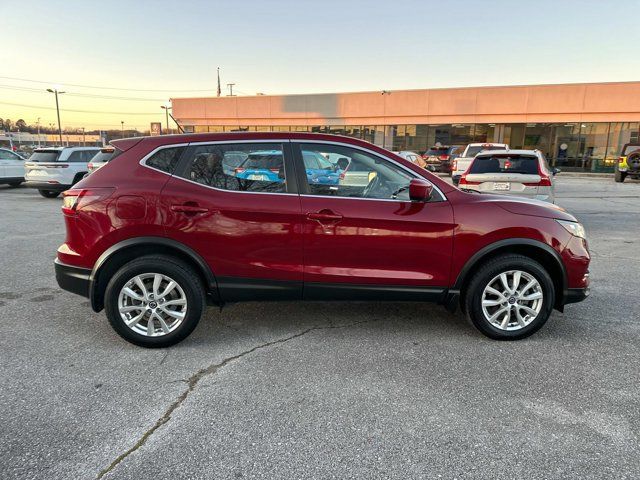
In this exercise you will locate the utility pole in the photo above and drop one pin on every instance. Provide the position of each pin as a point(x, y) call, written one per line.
point(56, 92)
point(84, 144)
point(122, 124)
point(230, 85)
point(38, 123)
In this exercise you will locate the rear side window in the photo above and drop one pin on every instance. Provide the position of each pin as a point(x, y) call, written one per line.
point(47, 156)
point(103, 156)
point(526, 164)
point(81, 156)
point(166, 159)
point(260, 170)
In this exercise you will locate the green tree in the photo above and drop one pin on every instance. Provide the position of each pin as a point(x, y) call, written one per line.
point(7, 125)
point(21, 125)
point(1, 124)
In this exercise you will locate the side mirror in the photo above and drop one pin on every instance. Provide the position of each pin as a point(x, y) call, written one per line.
point(420, 190)
point(555, 171)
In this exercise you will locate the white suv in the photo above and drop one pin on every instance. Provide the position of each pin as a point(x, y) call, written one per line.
point(11, 167)
point(55, 169)
point(512, 172)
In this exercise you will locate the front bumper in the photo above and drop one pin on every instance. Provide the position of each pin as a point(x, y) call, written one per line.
point(73, 279)
point(54, 187)
point(575, 295)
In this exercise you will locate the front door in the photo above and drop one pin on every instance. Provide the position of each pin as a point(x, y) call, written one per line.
point(364, 238)
point(232, 203)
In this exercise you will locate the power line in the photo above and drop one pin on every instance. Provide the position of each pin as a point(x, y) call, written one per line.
point(106, 88)
point(87, 95)
point(79, 111)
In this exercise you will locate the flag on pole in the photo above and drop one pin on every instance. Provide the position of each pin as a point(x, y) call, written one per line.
point(219, 90)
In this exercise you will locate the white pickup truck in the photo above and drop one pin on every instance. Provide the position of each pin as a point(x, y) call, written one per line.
point(461, 163)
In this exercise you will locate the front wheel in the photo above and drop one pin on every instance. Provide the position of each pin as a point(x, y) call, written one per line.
point(48, 193)
point(510, 297)
point(154, 301)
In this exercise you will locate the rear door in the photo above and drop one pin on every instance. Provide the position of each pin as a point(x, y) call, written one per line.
point(247, 229)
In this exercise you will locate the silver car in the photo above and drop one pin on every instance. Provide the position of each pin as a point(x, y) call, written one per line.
point(511, 172)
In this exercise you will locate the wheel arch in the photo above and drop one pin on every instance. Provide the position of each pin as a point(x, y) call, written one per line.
point(122, 252)
point(541, 252)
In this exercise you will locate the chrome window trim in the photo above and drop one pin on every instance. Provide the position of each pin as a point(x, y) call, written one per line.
point(376, 154)
point(173, 145)
point(285, 140)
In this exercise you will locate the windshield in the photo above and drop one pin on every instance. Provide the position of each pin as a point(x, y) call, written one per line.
point(263, 160)
point(45, 156)
point(437, 151)
point(473, 151)
point(526, 164)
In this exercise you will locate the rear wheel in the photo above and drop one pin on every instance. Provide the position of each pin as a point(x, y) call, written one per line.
point(510, 297)
point(620, 176)
point(154, 301)
point(48, 193)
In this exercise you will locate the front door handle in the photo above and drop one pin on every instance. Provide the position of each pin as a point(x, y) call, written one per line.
point(325, 216)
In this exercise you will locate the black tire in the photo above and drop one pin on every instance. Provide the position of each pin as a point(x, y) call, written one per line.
point(48, 193)
point(78, 177)
point(15, 184)
point(483, 277)
point(456, 181)
point(177, 270)
point(620, 176)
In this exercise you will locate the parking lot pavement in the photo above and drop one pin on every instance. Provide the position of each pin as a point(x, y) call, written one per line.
point(321, 390)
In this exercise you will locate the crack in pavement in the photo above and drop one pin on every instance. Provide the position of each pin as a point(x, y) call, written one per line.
point(194, 379)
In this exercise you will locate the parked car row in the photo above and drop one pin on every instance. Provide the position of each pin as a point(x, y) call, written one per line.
point(51, 170)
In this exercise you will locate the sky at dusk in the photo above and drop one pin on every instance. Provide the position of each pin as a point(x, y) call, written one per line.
point(145, 52)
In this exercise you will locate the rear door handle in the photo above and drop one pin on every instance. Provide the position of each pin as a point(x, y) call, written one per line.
point(325, 216)
point(189, 209)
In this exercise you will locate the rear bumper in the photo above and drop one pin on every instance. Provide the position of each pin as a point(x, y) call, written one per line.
point(54, 187)
point(73, 279)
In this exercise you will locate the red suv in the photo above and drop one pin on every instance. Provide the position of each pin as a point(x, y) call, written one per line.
point(169, 225)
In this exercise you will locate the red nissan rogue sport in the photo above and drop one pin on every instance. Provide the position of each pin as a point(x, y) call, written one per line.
point(173, 223)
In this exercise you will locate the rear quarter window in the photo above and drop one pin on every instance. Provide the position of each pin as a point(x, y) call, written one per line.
point(166, 159)
point(50, 156)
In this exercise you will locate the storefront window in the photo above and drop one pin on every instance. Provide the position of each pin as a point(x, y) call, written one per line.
point(300, 128)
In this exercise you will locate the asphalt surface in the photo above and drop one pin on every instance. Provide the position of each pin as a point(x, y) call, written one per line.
point(321, 390)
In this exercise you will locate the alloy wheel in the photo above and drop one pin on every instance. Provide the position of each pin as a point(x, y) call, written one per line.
point(152, 304)
point(512, 300)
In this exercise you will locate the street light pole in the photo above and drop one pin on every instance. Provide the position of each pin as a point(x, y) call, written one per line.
point(122, 123)
point(166, 111)
point(38, 132)
point(84, 144)
point(55, 91)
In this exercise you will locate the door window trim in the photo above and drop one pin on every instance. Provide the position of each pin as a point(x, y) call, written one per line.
point(297, 151)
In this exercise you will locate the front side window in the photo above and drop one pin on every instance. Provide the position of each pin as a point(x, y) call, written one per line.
point(355, 174)
point(249, 167)
point(165, 159)
point(76, 157)
point(7, 155)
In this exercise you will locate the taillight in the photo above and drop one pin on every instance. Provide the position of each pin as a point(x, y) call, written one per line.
point(454, 165)
point(78, 198)
point(464, 181)
point(240, 170)
point(544, 182)
point(443, 157)
point(620, 159)
point(274, 170)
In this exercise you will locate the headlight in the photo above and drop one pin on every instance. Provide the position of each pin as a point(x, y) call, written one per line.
point(574, 228)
